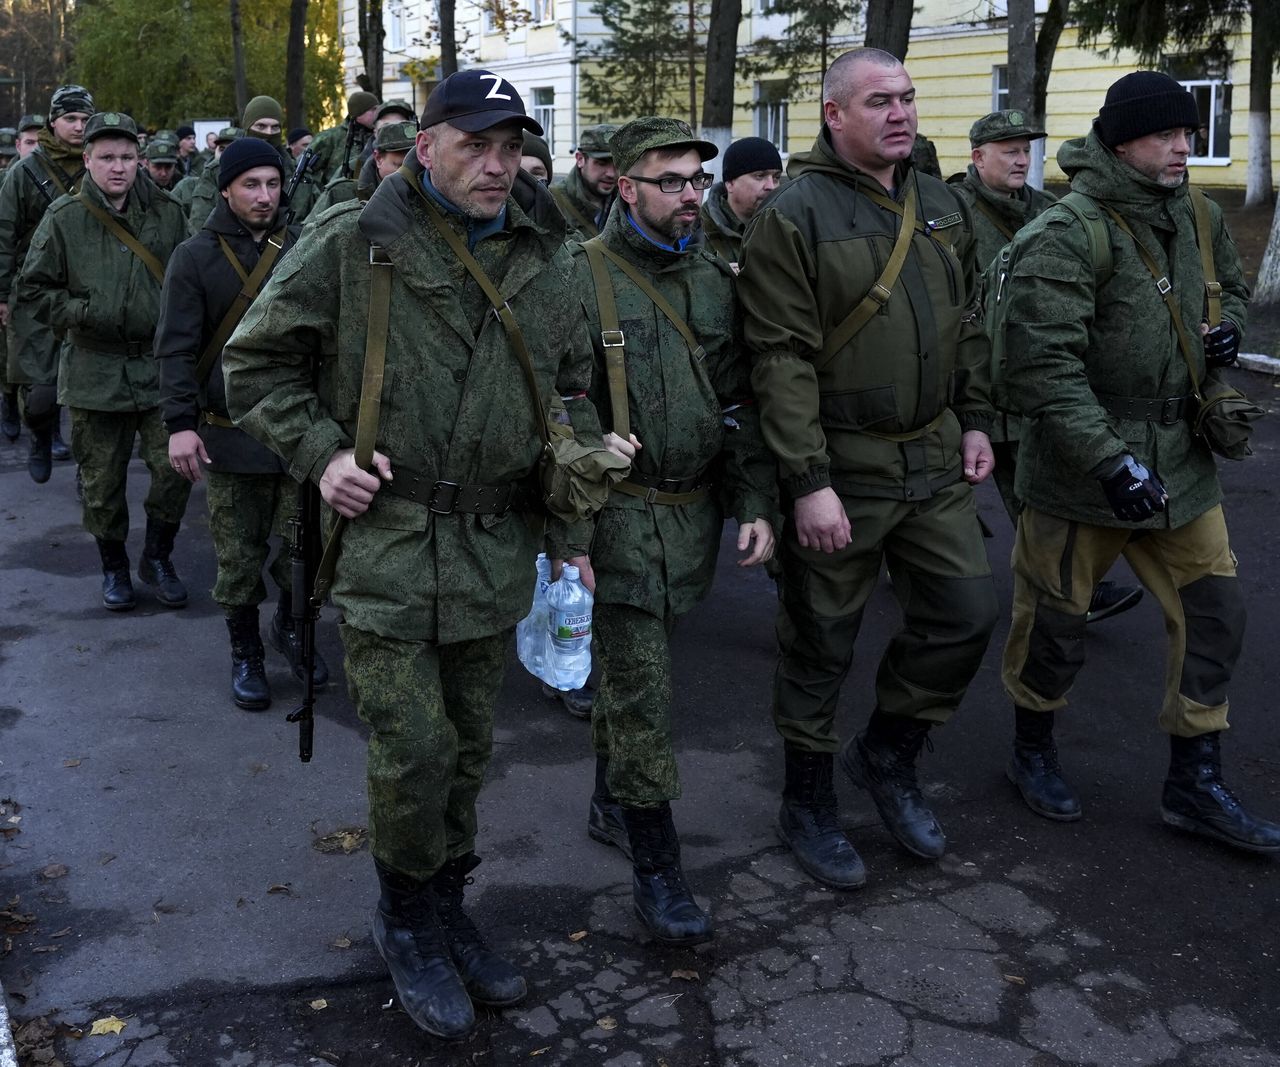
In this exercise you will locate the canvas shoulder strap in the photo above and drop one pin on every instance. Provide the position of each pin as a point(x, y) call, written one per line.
point(149, 260)
point(1204, 240)
point(570, 209)
point(994, 217)
point(55, 173)
point(251, 284)
point(1085, 209)
point(612, 338)
point(882, 288)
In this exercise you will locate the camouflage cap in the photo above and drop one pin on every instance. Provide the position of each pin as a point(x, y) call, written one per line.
point(31, 122)
point(167, 135)
point(396, 137)
point(228, 134)
point(162, 150)
point(110, 124)
point(594, 141)
point(1002, 126)
point(388, 107)
point(639, 136)
point(8, 141)
point(70, 99)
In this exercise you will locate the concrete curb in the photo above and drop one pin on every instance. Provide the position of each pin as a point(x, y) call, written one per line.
point(8, 1054)
point(1262, 364)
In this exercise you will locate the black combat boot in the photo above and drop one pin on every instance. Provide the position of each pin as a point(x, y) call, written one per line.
point(406, 931)
point(577, 702)
point(117, 589)
point(10, 425)
point(808, 821)
point(488, 978)
point(39, 455)
point(1198, 800)
point(663, 902)
point(57, 446)
point(286, 640)
point(883, 762)
point(155, 567)
point(1110, 599)
point(604, 817)
point(1035, 770)
point(249, 687)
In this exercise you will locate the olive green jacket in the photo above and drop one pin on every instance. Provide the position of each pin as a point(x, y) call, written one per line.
point(23, 203)
point(455, 404)
point(1068, 340)
point(809, 256)
point(80, 279)
point(657, 557)
point(721, 228)
point(329, 145)
point(579, 211)
point(996, 216)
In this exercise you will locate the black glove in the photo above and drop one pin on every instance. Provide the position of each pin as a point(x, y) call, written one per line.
point(1222, 345)
point(1134, 493)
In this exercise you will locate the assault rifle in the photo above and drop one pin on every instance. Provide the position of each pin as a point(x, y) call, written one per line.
point(301, 170)
point(304, 557)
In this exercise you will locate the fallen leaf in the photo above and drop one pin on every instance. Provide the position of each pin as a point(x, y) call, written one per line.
point(15, 819)
point(71, 763)
point(62, 933)
point(578, 936)
point(607, 1022)
point(318, 1005)
point(285, 887)
point(8, 832)
point(340, 942)
point(106, 858)
point(54, 870)
point(1015, 979)
point(109, 1025)
point(45, 948)
point(686, 976)
point(345, 839)
point(540, 1051)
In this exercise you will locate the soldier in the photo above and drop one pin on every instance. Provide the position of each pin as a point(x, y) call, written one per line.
point(185, 190)
point(583, 193)
point(262, 120)
point(391, 144)
point(210, 147)
point(1109, 463)
point(655, 544)
point(35, 182)
point(435, 570)
point(536, 158)
point(392, 111)
point(338, 149)
point(29, 127)
point(859, 292)
point(9, 424)
point(162, 163)
point(8, 146)
point(75, 279)
point(299, 140)
point(752, 170)
point(251, 497)
point(189, 161)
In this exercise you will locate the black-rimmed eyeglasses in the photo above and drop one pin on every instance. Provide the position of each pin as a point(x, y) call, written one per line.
point(675, 183)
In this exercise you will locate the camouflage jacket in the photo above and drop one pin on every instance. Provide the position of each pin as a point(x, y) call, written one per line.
point(455, 404)
point(721, 228)
point(920, 364)
point(329, 145)
point(996, 217)
point(199, 286)
point(341, 190)
point(1068, 340)
point(79, 278)
point(30, 186)
point(580, 213)
point(661, 558)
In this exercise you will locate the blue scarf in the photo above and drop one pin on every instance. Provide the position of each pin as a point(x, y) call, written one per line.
point(679, 246)
point(477, 229)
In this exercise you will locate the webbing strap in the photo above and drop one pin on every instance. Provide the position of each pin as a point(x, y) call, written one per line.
point(1165, 289)
point(995, 218)
point(251, 284)
point(612, 338)
point(656, 496)
point(56, 174)
point(127, 239)
point(909, 435)
point(375, 361)
point(568, 207)
point(882, 288)
point(1204, 238)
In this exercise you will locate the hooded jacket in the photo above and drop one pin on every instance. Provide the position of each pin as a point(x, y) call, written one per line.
point(455, 403)
point(580, 212)
point(31, 186)
point(1069, 339)
point(721, 228)
point(997, 216)
point(810, 255)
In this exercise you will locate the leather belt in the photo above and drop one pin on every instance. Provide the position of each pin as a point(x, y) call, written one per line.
point(1167, 411)
point(133, 349)
point(670, 491)
point(444, 498)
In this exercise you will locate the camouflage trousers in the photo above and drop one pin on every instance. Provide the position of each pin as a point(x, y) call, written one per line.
point(1190, 571)
point(631, 716)
point(429, 709)
point(937, 562)
point(102, 443)
point(245, 511)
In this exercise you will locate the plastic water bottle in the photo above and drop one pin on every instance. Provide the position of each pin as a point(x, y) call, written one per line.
point(532, 638)
point(569, 625)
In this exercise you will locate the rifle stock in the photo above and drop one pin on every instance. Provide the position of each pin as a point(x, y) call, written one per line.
point(304, 540)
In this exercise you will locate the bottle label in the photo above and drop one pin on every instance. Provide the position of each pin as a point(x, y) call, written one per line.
point(569, 627)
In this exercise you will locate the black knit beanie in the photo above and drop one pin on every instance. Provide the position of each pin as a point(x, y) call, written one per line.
point(748, 155)
point(1144, 102)
point(245, 154)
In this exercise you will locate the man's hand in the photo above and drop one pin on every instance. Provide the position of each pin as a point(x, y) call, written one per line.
point(761, 533)
point(623, 449)
point(346, 488)
point(4, 314)
point(583, 563)
point(821, 521)
point(976, 455)
point(186, 453)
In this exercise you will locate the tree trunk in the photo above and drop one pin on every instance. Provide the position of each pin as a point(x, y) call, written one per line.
point(722, 59)
point(237, 59)
point(693, 66)
point(448, 40)
point(1266, 291)
point(295, 65)
point(369, 40)
point(1022, 72)
point(1262, 57)
point(889, 26)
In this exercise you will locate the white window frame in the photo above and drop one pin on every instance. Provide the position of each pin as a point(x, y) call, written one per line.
point(1215, 87)
point(772, 116)
point(543, 11)
point(765, 7)
point(544, 114)
point(396, 26)
point(1000, 87)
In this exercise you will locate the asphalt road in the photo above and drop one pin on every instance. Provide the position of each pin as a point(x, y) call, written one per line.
point(196, 907)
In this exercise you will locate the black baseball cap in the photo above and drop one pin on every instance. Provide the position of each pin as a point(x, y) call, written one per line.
point(475, 100)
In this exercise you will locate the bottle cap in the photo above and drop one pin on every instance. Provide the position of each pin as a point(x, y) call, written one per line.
point(570, 572)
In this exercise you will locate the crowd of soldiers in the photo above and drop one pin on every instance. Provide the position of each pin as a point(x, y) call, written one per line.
point(475, 361)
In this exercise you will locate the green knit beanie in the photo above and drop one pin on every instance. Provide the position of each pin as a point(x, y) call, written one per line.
point(262, 107)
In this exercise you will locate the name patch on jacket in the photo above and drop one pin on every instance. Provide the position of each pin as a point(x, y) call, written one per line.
point(946, 220)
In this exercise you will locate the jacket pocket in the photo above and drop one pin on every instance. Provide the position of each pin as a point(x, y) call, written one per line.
point(853, 409)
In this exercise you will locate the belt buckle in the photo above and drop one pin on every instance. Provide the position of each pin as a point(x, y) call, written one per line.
point(1171, 411)
point(433, 501)
point(612, 339)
